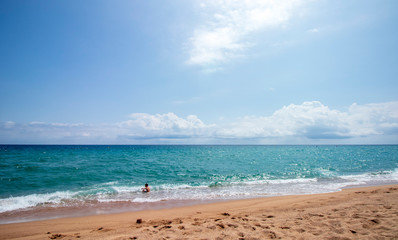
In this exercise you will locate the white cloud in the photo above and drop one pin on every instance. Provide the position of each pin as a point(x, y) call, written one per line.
point(163, 125)
point(316, 121)
point(227, 25)
point(308, 122)
point(41, 132)
point(8, 124)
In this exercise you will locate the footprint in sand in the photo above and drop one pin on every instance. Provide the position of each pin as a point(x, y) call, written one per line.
point(232, 225)
point(165, 227)
point(57, 236)
point(102, 229)
point(211, 227)
point(261, 226)
point(315, 215)
point(375, 221)
point(181, 227)
point(196, 224)
point(178, 221)
point(222, 226)
point(77, 235)
point(270, 234)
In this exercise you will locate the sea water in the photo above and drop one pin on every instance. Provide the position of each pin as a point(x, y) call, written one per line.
point(46, 181)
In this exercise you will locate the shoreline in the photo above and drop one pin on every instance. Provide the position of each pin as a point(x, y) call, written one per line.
point(98, 209)
point(351, 213)
point(95, 208)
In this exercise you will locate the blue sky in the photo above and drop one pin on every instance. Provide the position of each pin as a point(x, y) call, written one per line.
point(217, 72)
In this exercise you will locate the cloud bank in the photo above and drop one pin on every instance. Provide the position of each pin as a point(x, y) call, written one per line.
point(309, 122)
point(143, 125)
point(228, 25)
point(314, 120)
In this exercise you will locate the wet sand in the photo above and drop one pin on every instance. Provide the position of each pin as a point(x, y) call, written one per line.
point(357, 213)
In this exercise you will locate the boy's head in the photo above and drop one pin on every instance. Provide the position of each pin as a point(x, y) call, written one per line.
point(146, 184)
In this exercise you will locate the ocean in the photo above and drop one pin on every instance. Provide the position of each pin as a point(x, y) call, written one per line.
point(50, 181)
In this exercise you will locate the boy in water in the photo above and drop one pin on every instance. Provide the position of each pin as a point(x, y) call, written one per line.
point(146, 188)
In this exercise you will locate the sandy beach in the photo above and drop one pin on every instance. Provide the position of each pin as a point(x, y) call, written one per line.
point(355, 213)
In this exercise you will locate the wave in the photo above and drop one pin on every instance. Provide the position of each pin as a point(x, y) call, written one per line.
point(234, 188)
point(375, 177)
point(21, 202)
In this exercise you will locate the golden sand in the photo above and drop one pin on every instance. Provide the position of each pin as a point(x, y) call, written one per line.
point(357, 213)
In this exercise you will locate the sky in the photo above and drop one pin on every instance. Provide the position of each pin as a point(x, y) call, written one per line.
point(199, 72)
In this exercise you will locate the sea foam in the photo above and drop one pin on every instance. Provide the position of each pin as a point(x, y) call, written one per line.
point(170, 192)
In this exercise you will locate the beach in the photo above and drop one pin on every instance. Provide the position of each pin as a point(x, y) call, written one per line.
point(354, 213)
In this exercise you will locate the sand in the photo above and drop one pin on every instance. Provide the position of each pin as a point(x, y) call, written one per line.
point(357, 213)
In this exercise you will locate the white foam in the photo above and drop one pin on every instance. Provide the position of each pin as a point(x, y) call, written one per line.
point(126, 189)
point(172, 187)
point(292, 181)
point(144, 200)
point(254, 187)
point(13, 203)
point(373, 177)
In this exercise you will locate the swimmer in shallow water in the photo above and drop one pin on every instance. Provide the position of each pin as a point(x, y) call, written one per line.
point(146, 188)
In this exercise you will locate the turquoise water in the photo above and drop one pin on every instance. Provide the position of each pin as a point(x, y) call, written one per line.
point(62, 176)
